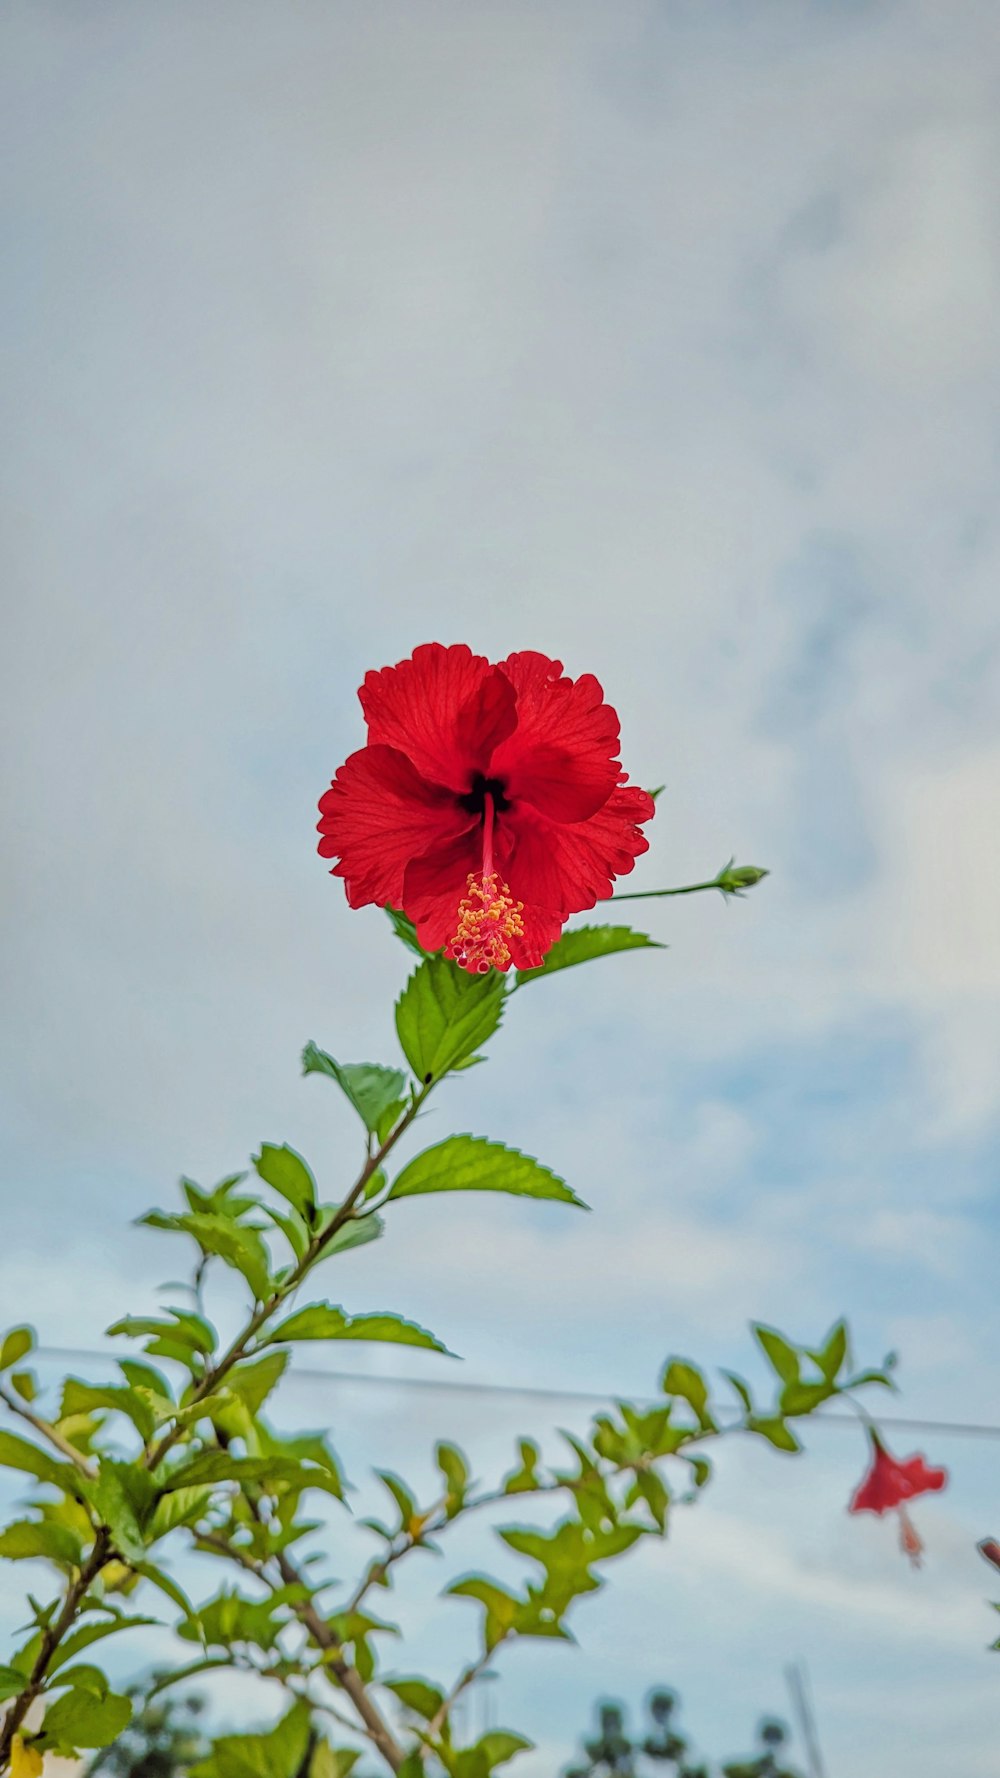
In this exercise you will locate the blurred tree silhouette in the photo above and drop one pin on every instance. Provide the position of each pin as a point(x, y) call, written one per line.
point(663, 1752)
point(163, 1740)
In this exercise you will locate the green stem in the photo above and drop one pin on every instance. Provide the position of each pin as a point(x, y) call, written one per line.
point(653, 894)
point(51, 1638)
point(50, 1432)
point(263, 1312)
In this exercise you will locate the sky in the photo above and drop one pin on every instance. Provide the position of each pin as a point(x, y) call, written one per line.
point(664, 338)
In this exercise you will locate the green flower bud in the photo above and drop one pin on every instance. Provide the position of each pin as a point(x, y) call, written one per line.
point(736, 879)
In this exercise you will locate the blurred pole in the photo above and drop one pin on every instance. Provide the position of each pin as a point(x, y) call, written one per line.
point(803, 1712)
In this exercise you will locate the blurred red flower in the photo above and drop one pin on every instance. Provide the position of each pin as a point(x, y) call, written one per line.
point(489, 803)
point(889, 1483)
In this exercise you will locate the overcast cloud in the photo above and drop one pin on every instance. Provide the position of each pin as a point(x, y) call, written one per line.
point(666, 338)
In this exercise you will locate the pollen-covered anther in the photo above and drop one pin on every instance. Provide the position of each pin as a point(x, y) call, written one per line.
point(488, 918)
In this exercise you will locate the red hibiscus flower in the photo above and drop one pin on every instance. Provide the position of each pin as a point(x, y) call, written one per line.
point(889, 1484)
point(489, 803)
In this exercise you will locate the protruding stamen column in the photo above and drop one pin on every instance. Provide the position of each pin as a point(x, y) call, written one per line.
point(488, 915)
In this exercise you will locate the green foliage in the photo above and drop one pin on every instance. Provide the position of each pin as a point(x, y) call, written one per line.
point(220, 1233)
point(286, 1172)
point(685, 1380)
point(17, 1453)
point(278, 1754)
point(186, 1338)
point(583, 944)
point(185, 1452)
point(80, 1719)
point(470, 1163)
point(406, 931)
point(455, 1472)
point(163, 1740)
point(28, 1538)
point(377, 1094)
point(444, 1014)
point(15, 1346)
point(325, 1321)
point(417, 1695)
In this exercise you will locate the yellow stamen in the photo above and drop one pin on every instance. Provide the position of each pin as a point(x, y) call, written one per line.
point(488, 917)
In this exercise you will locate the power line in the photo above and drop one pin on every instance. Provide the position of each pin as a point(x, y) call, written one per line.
point(535, 1392)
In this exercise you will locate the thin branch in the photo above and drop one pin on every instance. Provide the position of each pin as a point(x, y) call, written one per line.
point(470, 1675)
point(263, 1312)
point(51, 1638)
point(347, 1676)
point(49, 1432)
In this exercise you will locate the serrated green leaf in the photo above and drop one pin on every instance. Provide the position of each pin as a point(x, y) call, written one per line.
point(585, 943)
point(833, 1352)
point(275, 1755)
point(356, 1232)
point(444, 1014)
point(455, 1471)
point(471, 1163)
point(325, 1321)
point(417, 1695)
point(650, 1487)
point(183, 1507)
point(28, 1538)
point(15, 1345)
point(283, 1472)
point(500, 1745)
point(781, 1356)
point(333, 1762)
point(235, 1243)
point(141, 1326)
point(79, 1397)
point(740, 1388)
point(111, 1493)
point(84, 1678)
point(292, 1227)
point(405, 930)
point(775, 1431)
point(802, 1398)
point(400, 1494)
point(524, 1480)
point(686, 1380)
point(11, 1683)
point(220, 1198)
point(88, 1634)
point(17, 1453)
point(252, 1383)
point(78, 1719)
point(158, 1577)
point(286, 1172)
point(373, 1091)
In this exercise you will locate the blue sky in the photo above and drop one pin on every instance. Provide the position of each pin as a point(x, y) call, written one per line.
point(667, 339)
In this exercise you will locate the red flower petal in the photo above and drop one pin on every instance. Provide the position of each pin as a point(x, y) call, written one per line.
point(378, 814)
point(445, 708)
point(563, 755)
point(891, 1481)
point(435, 884)
point(566, 867)
point(541, 929)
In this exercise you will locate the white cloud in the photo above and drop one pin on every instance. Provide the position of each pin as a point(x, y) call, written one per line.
point(604, 331)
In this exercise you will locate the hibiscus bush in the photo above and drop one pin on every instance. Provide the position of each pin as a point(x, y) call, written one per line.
point(487, 806)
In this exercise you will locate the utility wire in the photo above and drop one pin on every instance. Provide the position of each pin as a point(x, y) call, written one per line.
point(533, 1392)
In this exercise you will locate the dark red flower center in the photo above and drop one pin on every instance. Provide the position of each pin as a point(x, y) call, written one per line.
point(474, 800)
